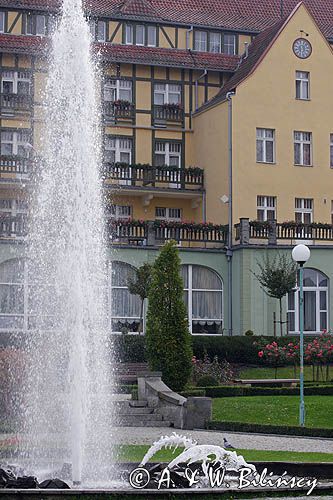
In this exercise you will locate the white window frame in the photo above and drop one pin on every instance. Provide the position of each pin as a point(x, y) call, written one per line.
point(189, 290)
point(200, 41)
point(303, 85)
point(317, 289)
point(151, 30)
point(229, 44)
point(15, 77)
point(120, 145)
point(265, 136)
point(303, 207)
point(102, 25)
point(18, 139)
point(168, 213)
point(120, 211)
point(129, 34)
point(304, 139)
point(165, 89)
point(2, 21)
point(33, 29)
point(143, 30)
point(116, 86)
point(168, 149)
point(214, 46)
point(266, 204)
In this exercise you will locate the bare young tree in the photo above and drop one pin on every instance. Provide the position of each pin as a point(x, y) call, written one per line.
point(139, 285)
point(277, 276)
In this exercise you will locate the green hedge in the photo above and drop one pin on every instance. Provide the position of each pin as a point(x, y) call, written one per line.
point(193, 393)
point(269, 429)
point(238, 390)
point(238, 349)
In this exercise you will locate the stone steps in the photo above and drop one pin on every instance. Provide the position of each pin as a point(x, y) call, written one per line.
point(135, 413)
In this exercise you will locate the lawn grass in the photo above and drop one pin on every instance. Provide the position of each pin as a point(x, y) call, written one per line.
point(275, 410)
point(135, 453)
point(269, 372)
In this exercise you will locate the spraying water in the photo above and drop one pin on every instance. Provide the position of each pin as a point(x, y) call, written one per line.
point(67, 412)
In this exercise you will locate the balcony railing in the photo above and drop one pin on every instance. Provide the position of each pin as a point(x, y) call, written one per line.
point(273, 231)
point(12, 167)
point(168, 113)
point(154, 233)
point(12, 226)
point(16, 102)
point(147, 175)
point(118, 110)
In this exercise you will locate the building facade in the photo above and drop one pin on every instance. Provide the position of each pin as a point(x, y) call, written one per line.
point(217, 133)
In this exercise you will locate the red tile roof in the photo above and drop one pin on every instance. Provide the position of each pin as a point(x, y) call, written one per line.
point(242, 15)
point(24, 44)
point(168, 57)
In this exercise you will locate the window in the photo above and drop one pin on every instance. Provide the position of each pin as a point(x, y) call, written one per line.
point(303, 148)
point(168, 213)
point(35, 24)
point(118, 150)
point(315, 287)
point(13, 291)
point(203, 295)
point(167, 93)
point(125, 307)
point(15, 82)
point(139, 34)
point(332, 212)
point(13, 207)
point(101, 31)
point(120, 211)
point(331, 150)
point(118, 89)
point(167, 153)
point(265, 145)
point(303, 210)
point(214, 42)
point(2, 22)
point(129, 34)
point(151, 36)
point(266, 208)
point(14, 143)
point(302, 85)
point(200, 41)
point(229, 44)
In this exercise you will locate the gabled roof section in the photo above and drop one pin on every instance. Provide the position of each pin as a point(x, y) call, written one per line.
point(23, 44)
point(138, 9)
point(256, 52)
point(177, 58)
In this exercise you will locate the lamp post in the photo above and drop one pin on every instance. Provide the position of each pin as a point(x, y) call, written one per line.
point(301, 254)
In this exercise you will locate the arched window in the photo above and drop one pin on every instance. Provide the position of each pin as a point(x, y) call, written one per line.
point(13, 293)
point(203, 295)
point(315, 286)
point(125, 307)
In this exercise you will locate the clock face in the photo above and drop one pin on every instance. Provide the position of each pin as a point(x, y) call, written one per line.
point(302, 48)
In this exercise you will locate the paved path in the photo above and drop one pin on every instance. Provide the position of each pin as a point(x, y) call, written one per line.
point(147, 435)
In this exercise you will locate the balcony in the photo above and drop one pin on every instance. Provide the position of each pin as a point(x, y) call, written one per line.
point(11, 103)
point(155, 233)
point(13, 227)
point(14, 169)
point(168, 113)
point(288, 232)
point(147, 176)
point(118, 111)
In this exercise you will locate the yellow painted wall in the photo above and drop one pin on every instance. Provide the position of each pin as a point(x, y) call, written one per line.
point(24, 61)
point(17, 29)
point(210, 146)
point(171, 33)
point(112, 28)
point(143, 95)
point(242, 39)
point(267, 99)
point(144, 146)
point(8, 60)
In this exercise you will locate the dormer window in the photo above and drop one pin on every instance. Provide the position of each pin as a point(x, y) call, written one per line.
point(2, 22)
point(35, 24)
point(139, 34)
point(200, 41)
point(209, 41)
point(101, 31)
point(229, 44)
point(215, 42)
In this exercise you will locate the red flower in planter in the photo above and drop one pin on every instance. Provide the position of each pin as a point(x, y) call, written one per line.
point(260, 354)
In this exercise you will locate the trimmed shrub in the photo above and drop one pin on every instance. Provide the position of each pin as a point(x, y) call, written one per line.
point(193, 393)
point(168, 340)
point(269, 429)
point(207, 381)
point(129, 348)
point(236, 390)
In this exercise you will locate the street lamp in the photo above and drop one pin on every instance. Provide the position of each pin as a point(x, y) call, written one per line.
point(301, 254)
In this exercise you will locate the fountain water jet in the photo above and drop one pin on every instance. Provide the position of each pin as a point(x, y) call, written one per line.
point(66, 407)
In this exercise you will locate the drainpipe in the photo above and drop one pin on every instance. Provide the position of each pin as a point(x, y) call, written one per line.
point(188, 37)
point(230, 226)
point(196, 103)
